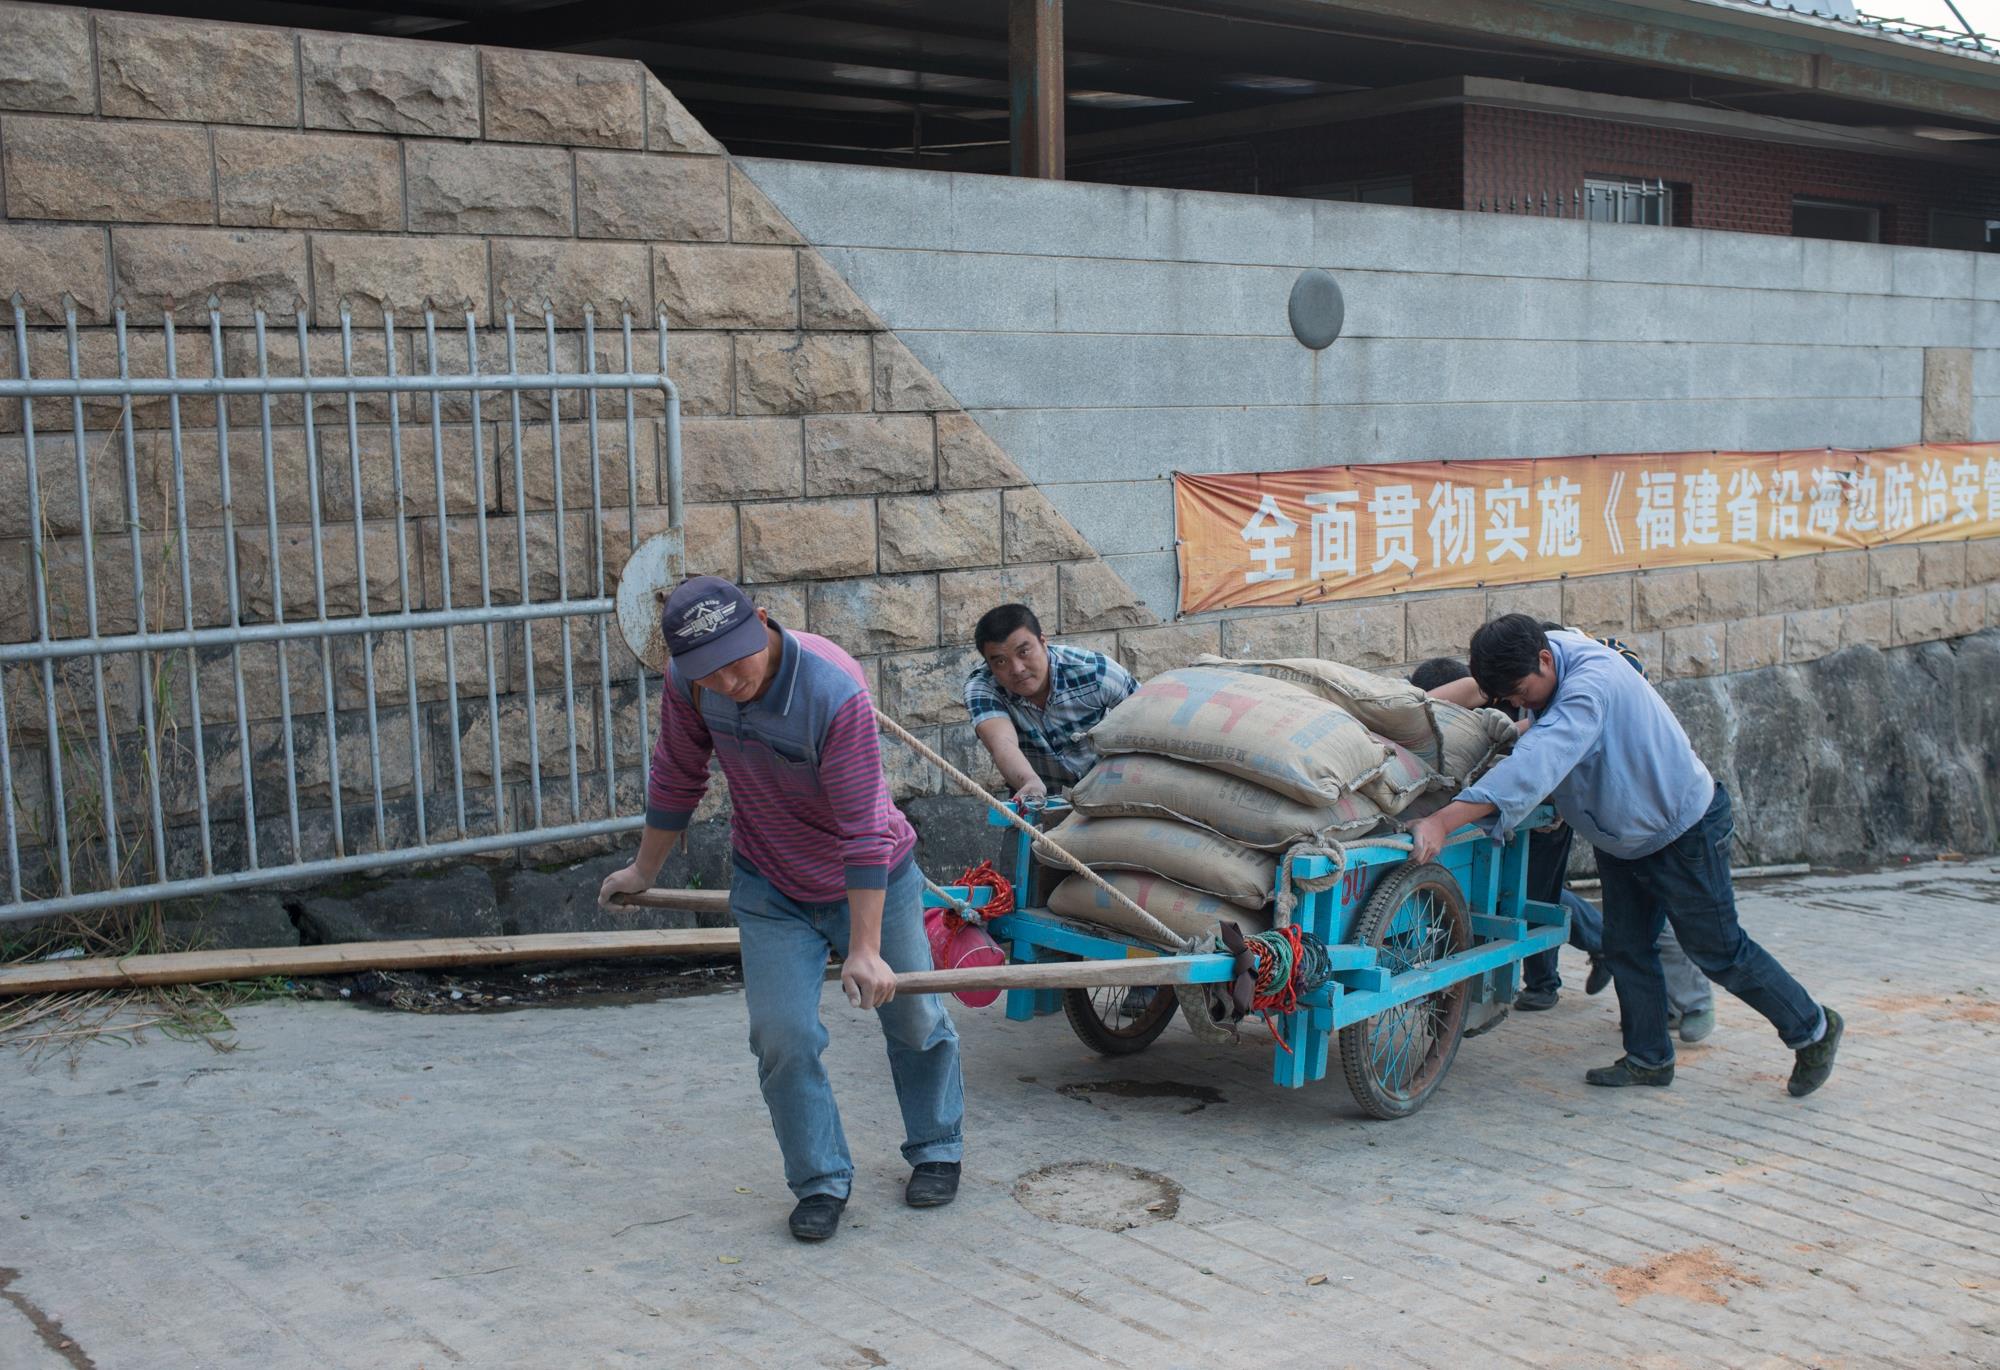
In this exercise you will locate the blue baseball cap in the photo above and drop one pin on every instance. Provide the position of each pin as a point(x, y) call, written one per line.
point(709, 623)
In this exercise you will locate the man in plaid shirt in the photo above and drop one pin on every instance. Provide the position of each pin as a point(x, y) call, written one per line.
point(1033, 705)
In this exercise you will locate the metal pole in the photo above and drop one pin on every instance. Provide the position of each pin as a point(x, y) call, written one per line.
point(107, 808)
point(500, 823)
point(364, 595)
point(562, 563)
point(233, 580)
point(444, 570)
point(325, 645)
point(398, 477)
point(1036, 87)
point(147, 676)
point(178, 454)
point(268, 453)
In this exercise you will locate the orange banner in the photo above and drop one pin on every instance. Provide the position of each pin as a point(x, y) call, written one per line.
point(1341, 532)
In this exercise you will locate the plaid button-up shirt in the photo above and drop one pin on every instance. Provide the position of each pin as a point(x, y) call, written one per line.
point(1084, 686)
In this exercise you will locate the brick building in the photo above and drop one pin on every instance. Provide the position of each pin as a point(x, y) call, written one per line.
point(1612, 140)
point(1501, 146)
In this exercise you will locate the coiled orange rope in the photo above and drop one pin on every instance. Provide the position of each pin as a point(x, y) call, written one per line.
point(984, 876)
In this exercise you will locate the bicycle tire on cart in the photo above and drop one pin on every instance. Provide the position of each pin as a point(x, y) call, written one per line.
point(1396, 1059)
point(1101, 1022)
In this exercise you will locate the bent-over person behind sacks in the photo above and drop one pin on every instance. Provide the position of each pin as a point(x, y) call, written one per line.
point(1611, 755)
point(821, 863)
point(1548, 868)
point(1690, 1004)
point(1033, 704)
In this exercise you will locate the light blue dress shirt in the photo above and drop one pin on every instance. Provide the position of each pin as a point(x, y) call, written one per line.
point(1607, 752)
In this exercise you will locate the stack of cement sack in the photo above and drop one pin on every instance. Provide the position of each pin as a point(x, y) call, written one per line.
point(1211, 773)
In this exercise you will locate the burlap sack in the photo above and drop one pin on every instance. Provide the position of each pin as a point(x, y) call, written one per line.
point(1140, 786)
point(1402, 780)
point(1273, 732)
point(1459, 744)
point(1193, 856)
point(1393, 708)
point(1473, 740)
point(1188, 912)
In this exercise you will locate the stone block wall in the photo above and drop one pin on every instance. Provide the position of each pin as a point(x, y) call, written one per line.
point(1858, 756)
point(156, 163)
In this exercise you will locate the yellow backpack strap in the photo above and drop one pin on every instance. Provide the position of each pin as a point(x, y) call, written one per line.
point(1631, 657)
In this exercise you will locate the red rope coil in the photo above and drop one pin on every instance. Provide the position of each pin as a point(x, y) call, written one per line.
point(984, 876)
point(1277, 977)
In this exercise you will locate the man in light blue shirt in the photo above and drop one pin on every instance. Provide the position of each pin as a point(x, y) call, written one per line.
point(1609, 753)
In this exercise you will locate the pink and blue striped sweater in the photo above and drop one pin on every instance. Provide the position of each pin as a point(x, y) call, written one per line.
point(804, 764)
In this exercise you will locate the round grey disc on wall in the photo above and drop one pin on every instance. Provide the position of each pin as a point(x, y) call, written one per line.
point(650, 574)
point(1316, 309)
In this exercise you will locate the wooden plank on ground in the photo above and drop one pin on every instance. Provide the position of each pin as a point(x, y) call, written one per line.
point(347, 958)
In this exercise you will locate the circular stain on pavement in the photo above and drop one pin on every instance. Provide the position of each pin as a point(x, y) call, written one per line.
point(1154, 1096)
point(1099, 1194)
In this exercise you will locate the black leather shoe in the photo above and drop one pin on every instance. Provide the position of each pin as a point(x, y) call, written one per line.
point(933, 1184)
point(1535, 1000)
point(1622, 1072)
point(1815, 1062)
point(1600, 976)
point(817, 1217)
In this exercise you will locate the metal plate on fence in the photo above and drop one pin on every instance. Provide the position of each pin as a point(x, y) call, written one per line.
point(643, 586)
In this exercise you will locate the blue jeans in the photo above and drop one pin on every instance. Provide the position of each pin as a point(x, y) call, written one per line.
point(785, 946)
point(1687, 987)
point(1548, 865)
point(1586, 923)
point(1686, 883)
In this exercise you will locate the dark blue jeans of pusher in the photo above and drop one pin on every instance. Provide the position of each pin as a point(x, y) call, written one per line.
point(1687, 882)
point(1548, 867)
point(1548, 859)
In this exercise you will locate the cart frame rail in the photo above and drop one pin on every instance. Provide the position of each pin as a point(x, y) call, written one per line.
point(1506, 926)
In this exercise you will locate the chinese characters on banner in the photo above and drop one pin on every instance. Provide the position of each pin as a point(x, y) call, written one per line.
point(1343, 532)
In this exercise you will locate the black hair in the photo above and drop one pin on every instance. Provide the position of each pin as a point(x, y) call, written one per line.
point(997, 625)
point(1439, 670)
point(1507, 651)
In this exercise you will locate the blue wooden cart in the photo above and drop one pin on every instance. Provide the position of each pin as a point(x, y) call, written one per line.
point(1421, 957)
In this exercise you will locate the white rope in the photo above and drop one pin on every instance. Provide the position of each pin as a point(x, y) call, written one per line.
point(1043, 844)
point(1288, 901)
point(953, 902)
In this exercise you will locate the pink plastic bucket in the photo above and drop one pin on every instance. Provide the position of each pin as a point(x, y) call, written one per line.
point(960, 948)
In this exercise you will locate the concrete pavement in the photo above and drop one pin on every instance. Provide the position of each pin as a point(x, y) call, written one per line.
point(599, 1187)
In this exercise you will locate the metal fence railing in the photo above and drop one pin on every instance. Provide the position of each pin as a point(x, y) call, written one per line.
point(294, 608)
point(1603, 201)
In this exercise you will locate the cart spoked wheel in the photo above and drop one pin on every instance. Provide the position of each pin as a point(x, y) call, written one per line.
point(1395, 1060)
point(1119, 1020)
